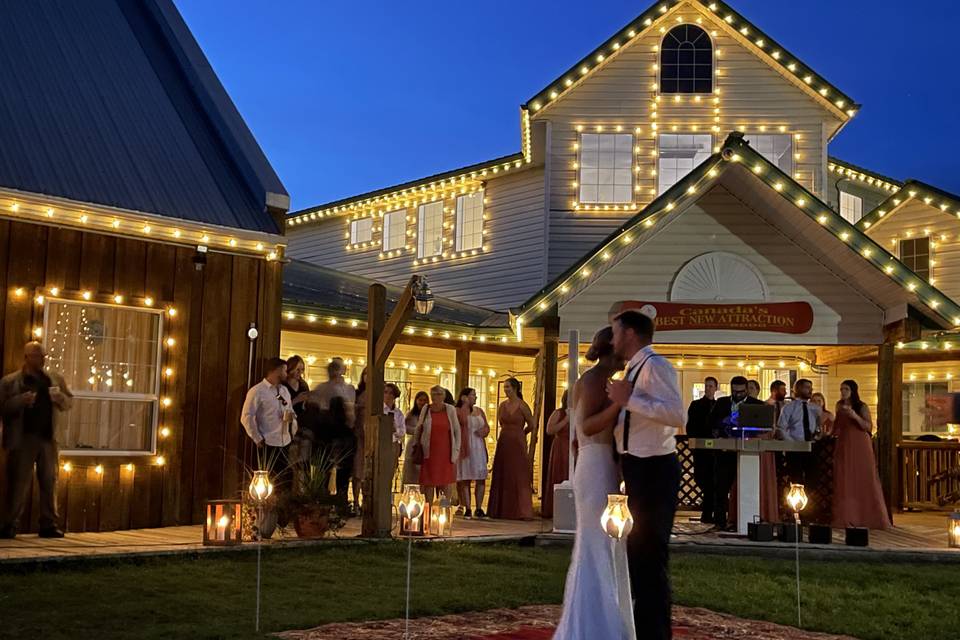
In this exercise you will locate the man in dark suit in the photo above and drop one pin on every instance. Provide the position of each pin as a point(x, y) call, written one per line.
point(723, 419)
point(699, 425)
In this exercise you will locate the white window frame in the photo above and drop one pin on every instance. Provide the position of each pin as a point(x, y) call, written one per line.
point(152, 398)
point(913, 266)
point(760, 142)
point(706, 153)
point(851, 207)
point(388, 230)
point(469, 204)
point(621, 176)
point(356, 230)
point(436, 209)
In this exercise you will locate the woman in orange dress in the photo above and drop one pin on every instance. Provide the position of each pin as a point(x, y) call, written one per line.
point(439, 435)
point(558, 426)
point(511, 497)
point(857, 496)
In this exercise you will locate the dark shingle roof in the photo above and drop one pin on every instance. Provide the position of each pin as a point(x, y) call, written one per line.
point(112, 102)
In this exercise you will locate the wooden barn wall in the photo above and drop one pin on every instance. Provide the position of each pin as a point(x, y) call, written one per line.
point(206, 451)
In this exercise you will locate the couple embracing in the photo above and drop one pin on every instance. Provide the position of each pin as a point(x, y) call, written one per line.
point(626, 426)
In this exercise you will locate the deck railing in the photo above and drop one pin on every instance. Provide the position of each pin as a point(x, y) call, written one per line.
point(929, 474)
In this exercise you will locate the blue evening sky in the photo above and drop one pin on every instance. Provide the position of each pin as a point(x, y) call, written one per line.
point(346, 97)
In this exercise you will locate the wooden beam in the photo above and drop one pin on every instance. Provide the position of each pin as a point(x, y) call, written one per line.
point(463, 369)
point(890, 408)
point(393, 329)
point(376, 495)
point(551, 339)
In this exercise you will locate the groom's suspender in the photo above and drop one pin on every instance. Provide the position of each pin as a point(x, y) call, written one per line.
point(626, 414)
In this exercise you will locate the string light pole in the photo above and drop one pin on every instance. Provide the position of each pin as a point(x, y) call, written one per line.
point(260, 489)
point(797, 499)
point(411, 516)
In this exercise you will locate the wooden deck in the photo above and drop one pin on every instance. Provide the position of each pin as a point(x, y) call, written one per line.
point(916, 536)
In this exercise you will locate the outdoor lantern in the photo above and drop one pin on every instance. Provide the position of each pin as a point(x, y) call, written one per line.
point(260, 486)
point(616, 519)
point(412, 510)
point(797, 498)
point(222, 525)
point(953, 530)
point(423, 296)
point(441, 518)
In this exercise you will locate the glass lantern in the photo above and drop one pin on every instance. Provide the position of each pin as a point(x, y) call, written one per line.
point(441, 518)
point(260, 487)
point(616, 520)
point(222, 526)
point(797, 498)
point(413, 511)
point(953, 530)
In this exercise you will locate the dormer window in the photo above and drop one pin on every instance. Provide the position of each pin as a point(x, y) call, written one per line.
point(686, 61)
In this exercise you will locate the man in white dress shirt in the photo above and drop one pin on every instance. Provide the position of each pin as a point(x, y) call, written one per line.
point(644, 436)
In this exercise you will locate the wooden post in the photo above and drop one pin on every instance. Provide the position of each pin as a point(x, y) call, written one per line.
point(890, 407)
point(463, 370)
point(551, 339)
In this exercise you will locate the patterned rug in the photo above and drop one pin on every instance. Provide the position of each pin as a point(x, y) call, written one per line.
point(538, 622)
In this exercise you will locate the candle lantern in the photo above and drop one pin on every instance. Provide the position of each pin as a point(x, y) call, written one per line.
point(441, 518)
point(953, 530)
point(413, 511)
point(616, 520)
point(797, 498)
point(260, 487)
point(222, 526)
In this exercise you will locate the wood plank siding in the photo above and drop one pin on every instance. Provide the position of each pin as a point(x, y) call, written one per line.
point(215, 307)
point(753, 98)
point(505, 275)
point(914, 219)
point(722, 222)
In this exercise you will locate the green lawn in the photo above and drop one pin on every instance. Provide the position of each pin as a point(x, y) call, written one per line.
point(213, 596)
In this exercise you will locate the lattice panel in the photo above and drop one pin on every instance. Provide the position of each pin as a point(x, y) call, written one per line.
point(690, 496)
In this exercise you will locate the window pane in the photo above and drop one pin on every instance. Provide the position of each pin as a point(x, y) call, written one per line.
point(361, 230)
point(775, 147)
point(470, 221)
point(680, 154)
point(430, 233)
point(606, 168)
point(394, 230)
point(686, 61)
point(108, 425)
point(851, 207)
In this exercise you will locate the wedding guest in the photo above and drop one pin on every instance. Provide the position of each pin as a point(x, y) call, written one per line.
point(472, 465)
point(391, 395)
point(769, 490)
point(799, 421)
point(31, 403)
point(857, 496)
point(699, 426)
point(296, 385)
point(558, 426)
point(411, 468)
point(827, 418)
point(337, 391)
point(724, 422)
point(753, 389)
point(359, 453)
point(439, 436)
point(778, 398)
point(511, 497)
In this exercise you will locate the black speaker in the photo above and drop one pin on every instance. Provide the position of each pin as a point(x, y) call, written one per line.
point(820, 534)
point(858, 536)
point(787, 532)
point(760, 531)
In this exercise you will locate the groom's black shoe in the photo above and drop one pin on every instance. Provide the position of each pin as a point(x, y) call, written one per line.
point(706, 518)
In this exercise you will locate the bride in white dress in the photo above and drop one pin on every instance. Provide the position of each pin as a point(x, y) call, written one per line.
point(596, 599)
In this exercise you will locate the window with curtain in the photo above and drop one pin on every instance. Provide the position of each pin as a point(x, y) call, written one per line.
point(915, 253)
point(430, 230)
point(361, 230)
point(394, 230)
point(470, 221)
point(851, 207)
point(916, 421)
point(109, 357)
point(686, 61)
point(775, 147)
point(679, 154)
point(606, 168)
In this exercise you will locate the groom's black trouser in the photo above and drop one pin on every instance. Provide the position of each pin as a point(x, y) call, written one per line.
point(652, 488)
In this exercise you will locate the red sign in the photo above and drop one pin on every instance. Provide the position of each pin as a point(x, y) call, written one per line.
point(778, 317)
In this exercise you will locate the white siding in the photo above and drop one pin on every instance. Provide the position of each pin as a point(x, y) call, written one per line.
point(506, 275)
point(721, 222)
point(754, 98)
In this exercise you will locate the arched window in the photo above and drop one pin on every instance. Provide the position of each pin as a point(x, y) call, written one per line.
point(686, 61)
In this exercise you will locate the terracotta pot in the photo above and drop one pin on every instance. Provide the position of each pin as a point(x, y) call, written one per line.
point(312, 522)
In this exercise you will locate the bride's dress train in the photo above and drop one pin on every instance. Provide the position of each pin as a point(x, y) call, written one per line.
point(596, 599)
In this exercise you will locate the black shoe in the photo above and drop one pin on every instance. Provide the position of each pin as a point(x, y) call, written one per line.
point(480, 513)
point(707, 519)
point(8, 533)
point(51, 532)
point(468, 513)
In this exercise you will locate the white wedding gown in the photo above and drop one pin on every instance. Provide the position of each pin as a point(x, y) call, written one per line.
point(596, 599)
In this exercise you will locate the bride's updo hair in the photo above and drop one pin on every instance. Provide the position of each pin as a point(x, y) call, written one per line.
point(601, 346)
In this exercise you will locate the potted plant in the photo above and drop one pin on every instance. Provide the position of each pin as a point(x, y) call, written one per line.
point(310, 506)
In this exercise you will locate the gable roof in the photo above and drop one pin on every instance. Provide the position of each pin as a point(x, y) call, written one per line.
point(735, 150)
point(742, 29)
point(936, 198)
point(856, 172)
point(112, 102)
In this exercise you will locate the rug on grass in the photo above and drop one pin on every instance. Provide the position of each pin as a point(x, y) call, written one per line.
point(538, 622)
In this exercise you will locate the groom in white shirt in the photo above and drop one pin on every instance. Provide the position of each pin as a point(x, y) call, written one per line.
point(644, 436)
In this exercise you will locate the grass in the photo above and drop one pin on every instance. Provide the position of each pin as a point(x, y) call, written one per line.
point(213, 596)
